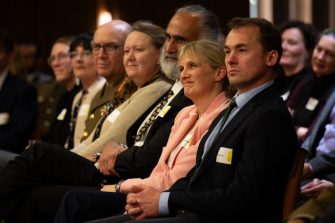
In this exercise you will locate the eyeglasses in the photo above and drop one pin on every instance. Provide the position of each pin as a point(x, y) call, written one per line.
point(108, 48)
point(59, 57)
point(86, 54)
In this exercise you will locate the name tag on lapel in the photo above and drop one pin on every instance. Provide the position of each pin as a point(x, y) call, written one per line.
point(225, 155)
point(285, 95)
point(4, 118)
point(113, 116)
point(187, 142)
point(84, 110)
point(61, 115)
point(164, 111)
point(311, 104)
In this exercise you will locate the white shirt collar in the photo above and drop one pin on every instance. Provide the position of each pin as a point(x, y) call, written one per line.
point(176, 87)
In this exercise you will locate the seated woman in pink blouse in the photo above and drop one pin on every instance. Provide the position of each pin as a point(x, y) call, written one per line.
point(203, 77)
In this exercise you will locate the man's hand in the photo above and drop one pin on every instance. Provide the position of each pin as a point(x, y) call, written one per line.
point(315, 187)
point(108, 157)
point(143, 202)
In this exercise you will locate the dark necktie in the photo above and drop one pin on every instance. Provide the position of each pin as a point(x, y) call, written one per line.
point(153, 116)
point(72, 124)
point(223, 121)
point(226, 114)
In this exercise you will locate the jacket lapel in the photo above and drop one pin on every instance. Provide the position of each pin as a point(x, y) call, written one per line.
point(241, 116)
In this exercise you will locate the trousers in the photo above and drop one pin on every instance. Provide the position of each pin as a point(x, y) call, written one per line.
point(38, 179)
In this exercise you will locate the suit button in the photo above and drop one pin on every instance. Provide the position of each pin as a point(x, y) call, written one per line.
point(85, 134)
point(92, 116)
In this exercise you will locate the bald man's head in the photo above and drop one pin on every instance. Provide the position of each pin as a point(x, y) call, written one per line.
point(107, 48)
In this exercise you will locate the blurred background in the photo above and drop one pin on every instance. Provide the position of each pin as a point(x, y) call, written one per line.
point(43, 21)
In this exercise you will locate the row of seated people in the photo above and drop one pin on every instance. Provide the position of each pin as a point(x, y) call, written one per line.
point(238, 151)
point(310, 68)
point(117, 130)
point(317, 187)
point(304, 94)
point(315, 122)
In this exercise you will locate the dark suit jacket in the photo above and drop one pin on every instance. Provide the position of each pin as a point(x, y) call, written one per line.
point(60, 127)
point(48, 95)
point(18, 103)
point(251, 188)
point(138, 162)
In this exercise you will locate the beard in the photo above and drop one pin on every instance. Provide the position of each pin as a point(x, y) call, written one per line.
point(170, 68)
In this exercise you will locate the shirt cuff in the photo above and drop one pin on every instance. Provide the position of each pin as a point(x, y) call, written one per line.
point(163, 204)
point(306, 217)
point(79, 148)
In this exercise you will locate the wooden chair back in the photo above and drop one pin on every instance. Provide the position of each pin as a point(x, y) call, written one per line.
point(293, 183)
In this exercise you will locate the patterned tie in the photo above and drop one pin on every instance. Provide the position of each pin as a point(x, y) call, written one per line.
point(153, 116)
point(105, 111)
point(70, 140)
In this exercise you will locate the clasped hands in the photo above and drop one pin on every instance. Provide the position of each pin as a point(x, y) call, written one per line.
point(143, 202)
point(314, 188)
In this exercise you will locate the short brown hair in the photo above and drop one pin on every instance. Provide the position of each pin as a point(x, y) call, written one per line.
point(269, 35)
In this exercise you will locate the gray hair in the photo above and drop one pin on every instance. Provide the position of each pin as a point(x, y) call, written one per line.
point(210, 26)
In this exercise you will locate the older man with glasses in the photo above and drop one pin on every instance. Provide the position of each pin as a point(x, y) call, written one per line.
point(107, 49)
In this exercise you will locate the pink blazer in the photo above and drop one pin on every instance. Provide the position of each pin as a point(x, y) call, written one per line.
point(186, 122)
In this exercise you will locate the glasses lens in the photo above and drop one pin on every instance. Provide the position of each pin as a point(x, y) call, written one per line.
point(59, 57)
point(109, 48)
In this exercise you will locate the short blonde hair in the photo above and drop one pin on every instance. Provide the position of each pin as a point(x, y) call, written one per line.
point(208, 50)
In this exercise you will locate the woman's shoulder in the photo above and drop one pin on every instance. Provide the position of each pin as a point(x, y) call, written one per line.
point(161, 81)
point(159, 86)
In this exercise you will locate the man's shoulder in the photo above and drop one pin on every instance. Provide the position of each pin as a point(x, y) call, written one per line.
point(14, 81)
point(264, 104)
point(269, 102)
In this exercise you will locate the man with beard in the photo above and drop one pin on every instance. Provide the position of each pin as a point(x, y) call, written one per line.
point(116, 162)
point(139, 160)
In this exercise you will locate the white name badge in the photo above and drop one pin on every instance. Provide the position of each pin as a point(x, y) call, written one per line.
point(61, 115)
point(164, 111)
point(311, 104)
point(113, 116)
point(225, 155)
point(139, 143)
point(187, 141)
point(285, 95)
point(4, 118)
point(83, 111)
